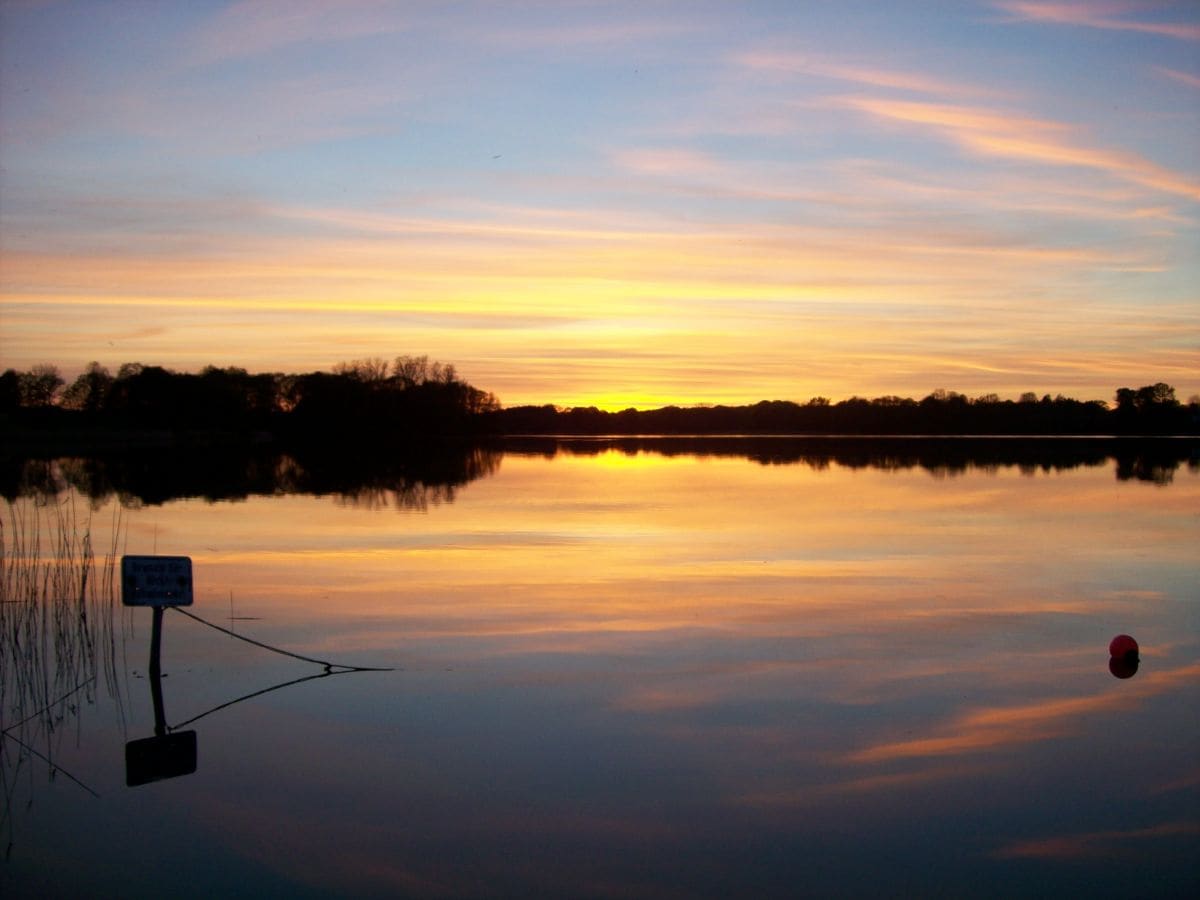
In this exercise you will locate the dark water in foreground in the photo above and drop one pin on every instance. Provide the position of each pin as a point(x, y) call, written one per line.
point(620, 670)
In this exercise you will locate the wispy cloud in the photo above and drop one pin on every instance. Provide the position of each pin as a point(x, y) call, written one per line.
point(255, 27)
point(1108, 16)
point(588, 34)
point(1182, 77)
point(667, 161)
point(1094, 844)
point(995, 727)
point(994, 133)
point(809, 64)
point(879, 184)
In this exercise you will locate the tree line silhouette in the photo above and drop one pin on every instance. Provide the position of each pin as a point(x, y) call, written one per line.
point(1152, 410)
point(413, 398)
point(410, 397)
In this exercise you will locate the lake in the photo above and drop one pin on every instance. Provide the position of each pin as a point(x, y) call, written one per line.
point(616, 668)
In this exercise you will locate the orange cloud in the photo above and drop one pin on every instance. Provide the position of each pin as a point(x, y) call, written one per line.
point(254, 27)
point(585, 34)
point(1093, 844)
point(667, 161)
point(993, 133)
point(900, 187)
point(990, 728)
point(805, 64)
point(1096, 15)
point(1182, 77)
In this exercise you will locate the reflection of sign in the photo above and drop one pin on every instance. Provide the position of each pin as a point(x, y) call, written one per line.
point(156, 580)
point(156, 758)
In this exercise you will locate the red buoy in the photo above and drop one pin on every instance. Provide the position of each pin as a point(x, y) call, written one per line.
point(1123, 666)
point(1123, 647)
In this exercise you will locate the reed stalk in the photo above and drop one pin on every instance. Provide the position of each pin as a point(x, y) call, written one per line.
point(58, 639)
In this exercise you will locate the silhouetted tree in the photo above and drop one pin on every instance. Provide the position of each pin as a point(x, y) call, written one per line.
point(369, 371)
point(39, 386)
point(1151, 409)
point(325, 400)
point(89, 392)
point(145, 395)
point(1155, 395)
point(10, 390)
point(228, 398)
point(411, 370)
point(129, 369)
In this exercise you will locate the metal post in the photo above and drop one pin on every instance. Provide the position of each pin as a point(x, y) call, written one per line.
point(160, 716)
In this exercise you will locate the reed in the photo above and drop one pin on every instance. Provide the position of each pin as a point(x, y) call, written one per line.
point(59, 637)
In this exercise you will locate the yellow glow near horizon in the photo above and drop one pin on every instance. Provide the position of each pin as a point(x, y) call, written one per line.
point(795, 223)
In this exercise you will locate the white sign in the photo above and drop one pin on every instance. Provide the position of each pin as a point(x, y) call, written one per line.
point(156, 580)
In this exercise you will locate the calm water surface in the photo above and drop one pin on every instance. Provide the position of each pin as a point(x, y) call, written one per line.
point(620, 672)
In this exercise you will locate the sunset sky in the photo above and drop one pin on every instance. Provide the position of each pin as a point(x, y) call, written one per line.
point(610, 203)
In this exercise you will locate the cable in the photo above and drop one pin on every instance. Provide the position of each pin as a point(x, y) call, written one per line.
point(54, 767)
point(49, 706)
point(329, 666)
point(259, 693)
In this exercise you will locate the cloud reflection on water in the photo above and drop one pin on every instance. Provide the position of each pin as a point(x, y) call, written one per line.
point(643, 673)
point(992, 728)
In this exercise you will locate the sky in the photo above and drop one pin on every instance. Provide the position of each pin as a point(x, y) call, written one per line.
point(610, 203)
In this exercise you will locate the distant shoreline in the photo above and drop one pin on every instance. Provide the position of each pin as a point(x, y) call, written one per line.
point(94, 439)
point(413, 402)
point(849, 436)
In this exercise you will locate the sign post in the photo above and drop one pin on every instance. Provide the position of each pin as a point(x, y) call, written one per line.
point(158, 582)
